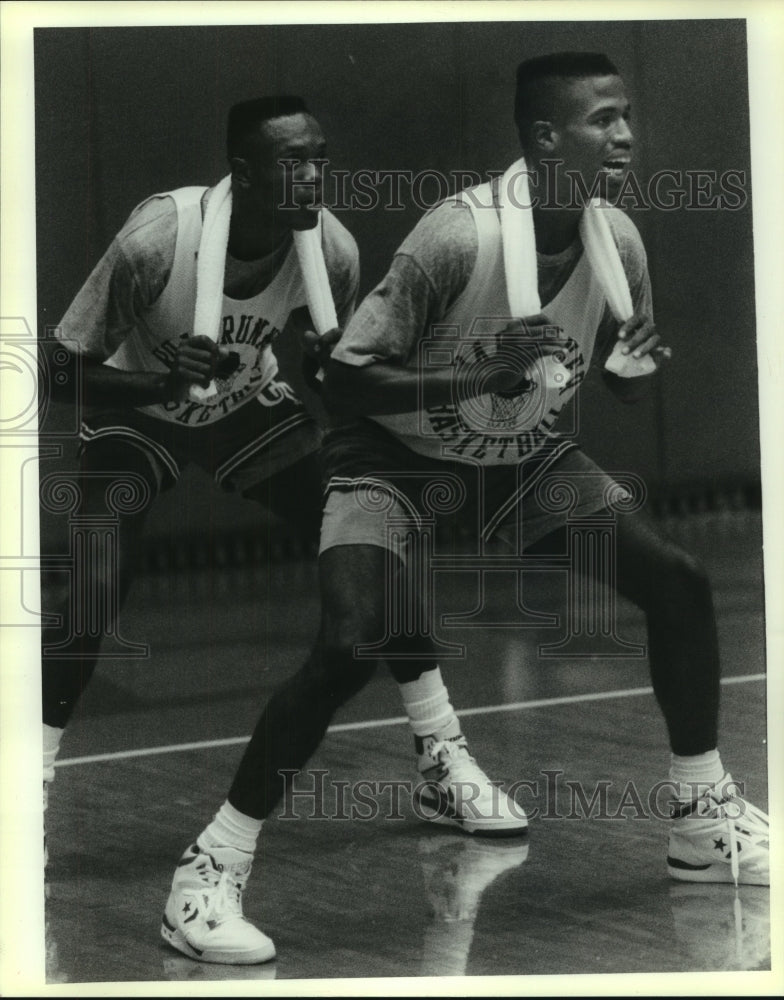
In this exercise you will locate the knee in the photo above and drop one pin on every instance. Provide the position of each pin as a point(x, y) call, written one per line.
point(345, 669)
point(345, 633)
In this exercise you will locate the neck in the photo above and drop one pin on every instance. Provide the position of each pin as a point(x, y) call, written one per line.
point(251, 238)
point(555, 228)
point(253, 232)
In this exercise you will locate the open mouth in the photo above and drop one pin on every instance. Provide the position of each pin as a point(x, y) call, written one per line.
point(615, 167)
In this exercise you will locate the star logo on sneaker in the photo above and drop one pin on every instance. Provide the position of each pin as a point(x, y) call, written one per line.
point(203, 915)
point(442, 802)
point(725, 823)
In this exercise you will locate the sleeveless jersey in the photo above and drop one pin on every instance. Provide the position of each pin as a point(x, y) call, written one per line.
point(248, 328)
point(501, 429)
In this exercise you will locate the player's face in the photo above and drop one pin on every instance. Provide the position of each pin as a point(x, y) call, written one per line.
point(591, 132)
point(290, 192)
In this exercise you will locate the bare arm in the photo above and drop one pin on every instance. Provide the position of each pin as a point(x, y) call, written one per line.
point(125, 283)
point(104, 386)
point(383, 387)
point(197, 361)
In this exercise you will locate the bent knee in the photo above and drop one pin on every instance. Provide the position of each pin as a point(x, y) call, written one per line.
point(349, 634)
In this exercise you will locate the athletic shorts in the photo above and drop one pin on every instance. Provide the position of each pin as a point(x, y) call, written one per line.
point(378, 492)
point(250, 445)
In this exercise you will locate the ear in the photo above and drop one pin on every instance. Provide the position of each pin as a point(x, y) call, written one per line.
point(240, 171)
point(543, 135)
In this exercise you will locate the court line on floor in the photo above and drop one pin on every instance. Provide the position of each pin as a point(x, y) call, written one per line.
point(346, 727)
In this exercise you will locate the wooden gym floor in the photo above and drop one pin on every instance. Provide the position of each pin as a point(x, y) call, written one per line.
point(152, 748)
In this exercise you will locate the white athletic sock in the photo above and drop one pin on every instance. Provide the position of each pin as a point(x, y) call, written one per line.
point(51, 744)
point(231, 828)
point(692, 774)
point(427, 704)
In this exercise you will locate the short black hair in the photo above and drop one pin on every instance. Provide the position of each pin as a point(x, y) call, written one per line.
point(246, 117)
point(529, 92)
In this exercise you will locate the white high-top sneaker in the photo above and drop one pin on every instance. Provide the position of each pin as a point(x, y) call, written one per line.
point(203, 917)
point(456, 791)
point(720, 837)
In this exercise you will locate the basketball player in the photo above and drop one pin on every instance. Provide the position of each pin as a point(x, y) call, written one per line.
point(487, 418)
point(132, 327)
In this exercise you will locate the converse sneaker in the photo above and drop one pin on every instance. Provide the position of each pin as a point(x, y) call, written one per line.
point(719, 837)
point(456, 791)
point(203, 916)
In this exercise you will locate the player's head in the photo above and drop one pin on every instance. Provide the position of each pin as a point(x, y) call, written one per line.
point(572, 107)
point(261, 135)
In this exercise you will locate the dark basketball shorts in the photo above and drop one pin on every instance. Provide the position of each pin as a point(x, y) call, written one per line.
point(378, 492)
point(252, 444)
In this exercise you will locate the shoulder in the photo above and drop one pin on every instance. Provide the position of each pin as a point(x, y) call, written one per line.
point(444, 246)
point(150, 232)
point(625, 233)
point(631, 249)
point(444, 229)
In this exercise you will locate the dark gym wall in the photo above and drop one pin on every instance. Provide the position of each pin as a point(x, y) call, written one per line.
point(125, 112)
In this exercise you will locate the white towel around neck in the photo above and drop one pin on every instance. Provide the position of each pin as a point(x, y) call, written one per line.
point(519, 247)
point(211, 266)
point(210, 270)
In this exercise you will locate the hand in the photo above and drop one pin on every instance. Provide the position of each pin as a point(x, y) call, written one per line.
point(228, 362)
point(319, 348)
point(195, 363)
point(640, 338)
point(520, 345)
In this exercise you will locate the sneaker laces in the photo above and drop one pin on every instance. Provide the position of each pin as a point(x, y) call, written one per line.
point(739, 816)
point(461, 767)
point(225, 901)
point(744, 817)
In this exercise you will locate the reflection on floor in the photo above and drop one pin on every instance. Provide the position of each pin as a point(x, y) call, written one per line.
point(389, 896)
